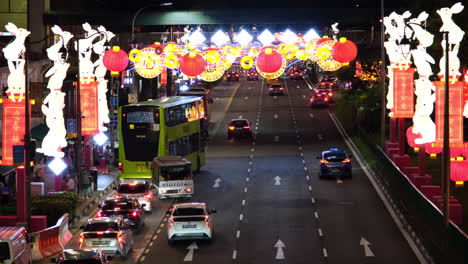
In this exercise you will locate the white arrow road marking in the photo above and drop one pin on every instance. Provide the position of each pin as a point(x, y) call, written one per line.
point(275, 116)
point(189, 256)
point(216, 183)
point(279, 249)
point(367, 251)
point(311, 115)
point(240, 117)
point(274, 97)
point(246, 98)
point(298, 87)
point(217, 98)
point(277, 180)
point(339, 181)
point(320, 136)
point(276, 138)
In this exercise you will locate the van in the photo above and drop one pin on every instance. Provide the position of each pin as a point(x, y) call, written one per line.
point(14, 246)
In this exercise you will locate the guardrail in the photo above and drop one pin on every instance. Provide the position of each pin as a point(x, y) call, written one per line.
point(421, 217)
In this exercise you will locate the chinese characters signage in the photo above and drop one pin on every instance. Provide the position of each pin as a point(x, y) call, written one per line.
point(455, 113)
point(403, 95)
point(89, 108)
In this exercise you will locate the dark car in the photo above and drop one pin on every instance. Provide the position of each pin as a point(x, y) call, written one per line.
point(129, 208)
point(276, 89)
point(325, 90)
point(296, 75)
point(239, 128)
point(335, 162)
point(81, 256)
point(319, 100)
point(252, 76)
point(232, 76)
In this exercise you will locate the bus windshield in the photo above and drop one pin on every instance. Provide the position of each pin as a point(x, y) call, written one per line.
point(175, 173)
point(140, 132)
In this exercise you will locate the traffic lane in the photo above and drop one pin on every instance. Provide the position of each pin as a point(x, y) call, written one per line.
point(142, 237)
point(351, 208)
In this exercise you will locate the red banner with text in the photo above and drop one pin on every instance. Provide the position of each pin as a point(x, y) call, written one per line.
point(403, 93)
point(89, 108)
point(456, 104)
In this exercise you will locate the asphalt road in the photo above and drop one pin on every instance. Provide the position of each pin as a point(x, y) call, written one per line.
point(271, 205)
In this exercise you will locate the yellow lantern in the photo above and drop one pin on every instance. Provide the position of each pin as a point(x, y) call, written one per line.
point(172, 61)
point(150, 65)
point(212, 56)
point(170, 48)
point(134, 55)
point(213, 72)
point(246, 62)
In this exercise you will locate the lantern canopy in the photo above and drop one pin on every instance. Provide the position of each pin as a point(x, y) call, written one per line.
point(344, 51)
point(115, 59)
point(192, 64)
point(269, 60)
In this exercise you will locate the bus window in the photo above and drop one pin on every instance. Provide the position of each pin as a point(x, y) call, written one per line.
point(184, 146)
point(4, 251)
point(175, 173)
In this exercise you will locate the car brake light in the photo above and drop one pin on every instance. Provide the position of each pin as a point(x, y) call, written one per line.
point(270, 89)
point(132, 184)
point(237, 75)
point(319, 94)
point(100, 233)
point(188, 190)
point(207, 222)
point(232, 127)
point(346, 160)
point(300, 74)
point(256, 74)
point(117, 196)
point(120, 239)
point(281, 88)
point(326, 99)
point(121, 167)
point(292, 74)
point(246, 127)
point(323, 161)
point(171, 222)
point(81, 240)
point(330, 94)
point(311, 99)
point(149, 195)
point(99, 214)
point(135, 213)
point(116, 208)
point(228, 75)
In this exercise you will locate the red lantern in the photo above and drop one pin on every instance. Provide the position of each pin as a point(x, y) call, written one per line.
point(269, 60)
point(115, 59)
point(320, 41)
point(432, 150)
point(412, 137)
point(458, 169)
point(192, 64)
point(344, 51)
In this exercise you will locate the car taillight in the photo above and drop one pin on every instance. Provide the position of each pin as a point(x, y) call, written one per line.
point(232, 127)
point(163, 191)
point(281, 88)
point(171, 223)
point(246, 127)
point(99, 214)
point(346, 160)
point(326, 99)
point(319, 94)
point(256, 74)
point(117, 196)
point(237, 75)
point(135, 213)
point(188, 190)
point(120, 239)
point(100, 233)
point(300, 74)
point(228, 75)
point(149, 195)
point(207, 222)
point(311, 99)
point(292, 74)
point(323, 161)
point(330, 94)
point(121, 167)
point(80, 242)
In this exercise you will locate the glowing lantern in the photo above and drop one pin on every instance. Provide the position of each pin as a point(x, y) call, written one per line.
point(212, 72)
point(458, 169)
point(246, 62)
point(158, 48)
point(344, 51)
point(269, 60)
point(432, 150)
point(192, 64)
point(13, 129)
point(170, 48)
point(115, 59)
point(172, 61)
point(412, 137)
point(212, 55)
point(320, 41)
point(149, 64)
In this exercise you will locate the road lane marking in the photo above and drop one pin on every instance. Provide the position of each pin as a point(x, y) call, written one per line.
point(241, 217)
point(234, 254)
point(316, 215)
point(305, 168)
point(146, 251)
point(217, 98)
point(191, 248)
point(310, 188)
point(302, 154)
point(279, 249)
point(339, 181)
point(246, 98)
point(313, 200)
point(253, 149)
point(303, 161)
point(311, 115)
point(240, 117)
point(248, 170)
point(143, 259)
point(307, 177)
point(247, 179)
point(276, 139)
point(230, 98)
point(158, 231)
point(277, 180)
point(275, 116)
point(243, 202)
point(320, 136)
point(320, 232)
point(245, 189)
point(216, 183)
point(238, 234)
point(367, 251)
point(151, 244)
point(325, 254)
point(250, 163)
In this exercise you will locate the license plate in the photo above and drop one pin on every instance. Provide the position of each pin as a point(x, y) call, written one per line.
point(189, 226)
point(100, 242)
point(335, 170)
point(239, 128)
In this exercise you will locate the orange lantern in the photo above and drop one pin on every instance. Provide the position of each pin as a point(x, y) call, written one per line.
point(269, 60)
point(192, 64)
point(115, 59)
point(344, 51)
point(89, 108)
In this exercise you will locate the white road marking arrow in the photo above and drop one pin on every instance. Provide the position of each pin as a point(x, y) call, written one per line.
point(216, 183)
point(298, 86)
point(277, 180)
point(275, 116)
point(240, 117)
point(274, 97)
point(279, 248)
point(339, 181)
point(189, 256)
point(367, 251)
point(276, 138)
point(311, 115)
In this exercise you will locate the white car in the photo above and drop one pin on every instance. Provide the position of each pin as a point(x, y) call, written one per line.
point(138, 189)
point(110, 234)
point(188, 221)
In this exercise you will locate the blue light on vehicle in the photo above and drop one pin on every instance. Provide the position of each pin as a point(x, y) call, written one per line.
point(334, 149)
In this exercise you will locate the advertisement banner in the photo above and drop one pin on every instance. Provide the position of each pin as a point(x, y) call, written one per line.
point(403, 93)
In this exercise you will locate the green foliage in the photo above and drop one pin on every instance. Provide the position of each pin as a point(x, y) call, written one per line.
point(54, 206)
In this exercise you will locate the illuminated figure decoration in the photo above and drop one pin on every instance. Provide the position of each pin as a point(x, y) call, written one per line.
point(100, 73)
point(53, 104)
point(84, 54)
point(335, 31)
point(14, 54)
point(455, 37)
point(422, 120)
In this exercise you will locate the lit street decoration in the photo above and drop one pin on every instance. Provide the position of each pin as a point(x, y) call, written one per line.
point(13, 129)
point(100, 139)
point(192, 64)
point(455, 113)
point(149, 64)
point(244, 38)
point(458, 169)
point(266, 38)
point(219, 38)
point(57, 166)
point(212, 72)
point(196, 38)
point(403, 95)
point(89, 108)
point(288, 37)
point(310, 35)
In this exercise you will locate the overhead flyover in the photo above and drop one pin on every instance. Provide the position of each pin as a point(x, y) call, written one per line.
point(288, 16)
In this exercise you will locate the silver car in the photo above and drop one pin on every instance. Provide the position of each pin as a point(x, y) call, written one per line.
point(110, 234)
point(189, 221)
point(138, 189)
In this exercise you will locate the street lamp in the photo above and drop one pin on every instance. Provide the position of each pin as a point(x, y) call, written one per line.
point(141, 9)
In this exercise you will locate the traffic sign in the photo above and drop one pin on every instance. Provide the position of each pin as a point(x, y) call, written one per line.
point(71, 128)
point(132, 98)
point(113, 120)
point(114, 100)
point(18, 153)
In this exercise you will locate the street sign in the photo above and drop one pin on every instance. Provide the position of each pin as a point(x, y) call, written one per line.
point(114, 100)
point(71, 128)
point(113, 120)
point(18, 153)
point(132, 98)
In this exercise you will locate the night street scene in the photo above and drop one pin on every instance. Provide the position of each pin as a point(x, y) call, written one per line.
point(240, 132)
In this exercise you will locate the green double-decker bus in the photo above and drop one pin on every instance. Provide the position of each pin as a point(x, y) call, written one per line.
point(170, 126)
